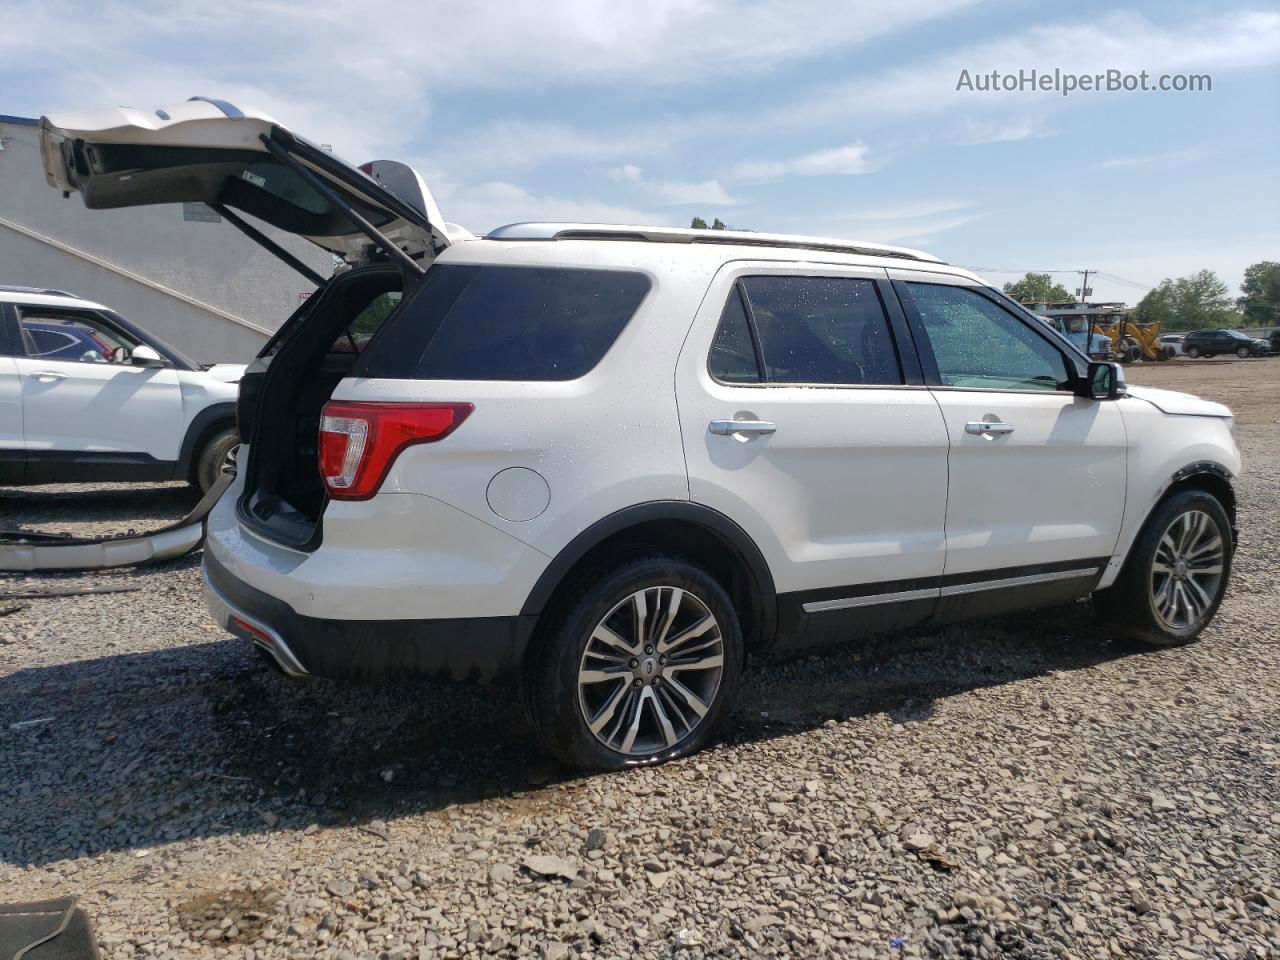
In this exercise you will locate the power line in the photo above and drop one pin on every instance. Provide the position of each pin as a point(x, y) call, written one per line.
point(1109, 276)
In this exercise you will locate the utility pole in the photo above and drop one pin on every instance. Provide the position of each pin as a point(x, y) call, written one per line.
point(1084, 302)
point(1084, 286)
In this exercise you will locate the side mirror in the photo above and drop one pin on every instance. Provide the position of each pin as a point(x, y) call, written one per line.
point(1105, 381)
point(145, 356)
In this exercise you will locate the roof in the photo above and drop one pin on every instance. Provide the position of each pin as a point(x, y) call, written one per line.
point(19, 121)
point(42, 290)
point(43, 297)
point(613, 231)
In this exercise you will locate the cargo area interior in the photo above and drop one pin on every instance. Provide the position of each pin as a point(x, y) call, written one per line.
point(281, 400)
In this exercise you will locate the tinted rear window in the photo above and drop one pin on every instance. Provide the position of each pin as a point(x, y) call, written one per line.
point(505, 323)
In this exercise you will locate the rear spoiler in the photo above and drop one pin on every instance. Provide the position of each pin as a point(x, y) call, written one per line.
point(24, 551)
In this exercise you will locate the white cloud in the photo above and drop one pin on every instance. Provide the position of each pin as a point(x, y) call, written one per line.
point(1176, 155)
point(1124, 41)
point(974, 132)
point(908, 211)
point(845, 161)
point(481, 207)
point(508, 145)
point(359, 57)
point(674, 191)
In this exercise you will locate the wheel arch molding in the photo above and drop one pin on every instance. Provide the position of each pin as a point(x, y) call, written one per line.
point(1213, 478)
point(201, 426)
point(699, 532)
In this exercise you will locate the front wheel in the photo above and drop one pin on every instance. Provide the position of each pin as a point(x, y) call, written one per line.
point(1176, 574)
point(1242, 352)
point(1193, 352)
point(214, 453)
point(638, 666)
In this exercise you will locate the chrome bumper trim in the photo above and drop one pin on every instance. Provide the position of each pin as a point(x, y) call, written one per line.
point(263, 636)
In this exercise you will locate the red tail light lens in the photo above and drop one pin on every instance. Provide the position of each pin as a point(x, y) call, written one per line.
point(360, 441)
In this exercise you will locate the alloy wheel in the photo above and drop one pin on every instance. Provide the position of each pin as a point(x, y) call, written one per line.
point(651, 671)
point(1186, 574)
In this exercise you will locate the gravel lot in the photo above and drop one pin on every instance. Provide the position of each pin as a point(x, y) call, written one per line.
point(1020, 788)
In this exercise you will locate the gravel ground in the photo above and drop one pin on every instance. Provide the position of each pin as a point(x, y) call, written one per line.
point(1019, 788)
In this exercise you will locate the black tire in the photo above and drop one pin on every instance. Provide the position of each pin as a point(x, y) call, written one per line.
point(556, 705)
point(210, 459)
point(1131, 603)
point(1243, 353)
point(1192, 352)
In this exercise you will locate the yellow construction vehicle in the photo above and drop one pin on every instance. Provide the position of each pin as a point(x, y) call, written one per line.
point(1132, 341)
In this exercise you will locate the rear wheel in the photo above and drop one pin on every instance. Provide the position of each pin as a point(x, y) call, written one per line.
point(638, 666)
point(212, 455)
point(1176, 574)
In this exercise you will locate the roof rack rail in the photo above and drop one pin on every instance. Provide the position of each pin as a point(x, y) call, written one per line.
point(610, 231)
point(42, 291)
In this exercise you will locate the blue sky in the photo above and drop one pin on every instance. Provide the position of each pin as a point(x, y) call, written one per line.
point(838, 119)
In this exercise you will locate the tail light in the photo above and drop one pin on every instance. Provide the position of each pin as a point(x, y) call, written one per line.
point(360, 441)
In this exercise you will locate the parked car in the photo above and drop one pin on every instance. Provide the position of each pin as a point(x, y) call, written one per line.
point(1174, 342)
point(617, 460)
point(1211, 343)
point(87, 396)
point(1273, 341)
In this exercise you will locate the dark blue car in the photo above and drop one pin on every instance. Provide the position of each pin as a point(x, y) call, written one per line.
point(63, 340)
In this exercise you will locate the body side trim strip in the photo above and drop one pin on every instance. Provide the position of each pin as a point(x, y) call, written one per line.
point(1019, 581)
point(821, 606)
point(949, 590)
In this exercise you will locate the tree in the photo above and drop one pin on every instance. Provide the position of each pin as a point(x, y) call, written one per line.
point(718, 224)
point(1197, 302)
point(698, 224)
point(1037, 288)
point(1260, 302)
point(1157, 306)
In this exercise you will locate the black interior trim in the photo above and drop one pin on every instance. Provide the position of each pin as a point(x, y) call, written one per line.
point(10, 342)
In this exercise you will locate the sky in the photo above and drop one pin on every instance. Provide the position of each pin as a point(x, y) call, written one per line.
point(830, 119)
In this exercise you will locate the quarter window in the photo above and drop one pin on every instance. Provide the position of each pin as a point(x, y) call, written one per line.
point(506, 323)
point(979, 344)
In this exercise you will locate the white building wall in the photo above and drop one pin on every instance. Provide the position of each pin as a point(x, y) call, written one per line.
point(204, 287)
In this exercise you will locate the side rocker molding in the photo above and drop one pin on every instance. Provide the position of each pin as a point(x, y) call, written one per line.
point(760, 591)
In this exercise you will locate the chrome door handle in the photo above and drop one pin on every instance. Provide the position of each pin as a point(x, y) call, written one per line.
point(987, 427)
point(727, 428)
point(49, 375)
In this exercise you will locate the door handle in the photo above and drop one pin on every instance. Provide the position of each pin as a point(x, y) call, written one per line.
point(987, 428)
point(49, 375)
point(727, 428)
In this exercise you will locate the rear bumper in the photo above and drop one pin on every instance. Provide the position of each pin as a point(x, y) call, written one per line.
point(364, 650)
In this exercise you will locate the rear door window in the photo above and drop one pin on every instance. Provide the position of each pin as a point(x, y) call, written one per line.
point(474, 322)
point(811, 330)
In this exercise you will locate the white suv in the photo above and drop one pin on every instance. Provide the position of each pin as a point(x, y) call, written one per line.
point(616, 461)
point(87, 396)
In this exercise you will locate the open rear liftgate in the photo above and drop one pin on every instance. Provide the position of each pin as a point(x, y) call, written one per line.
point(22, 551)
